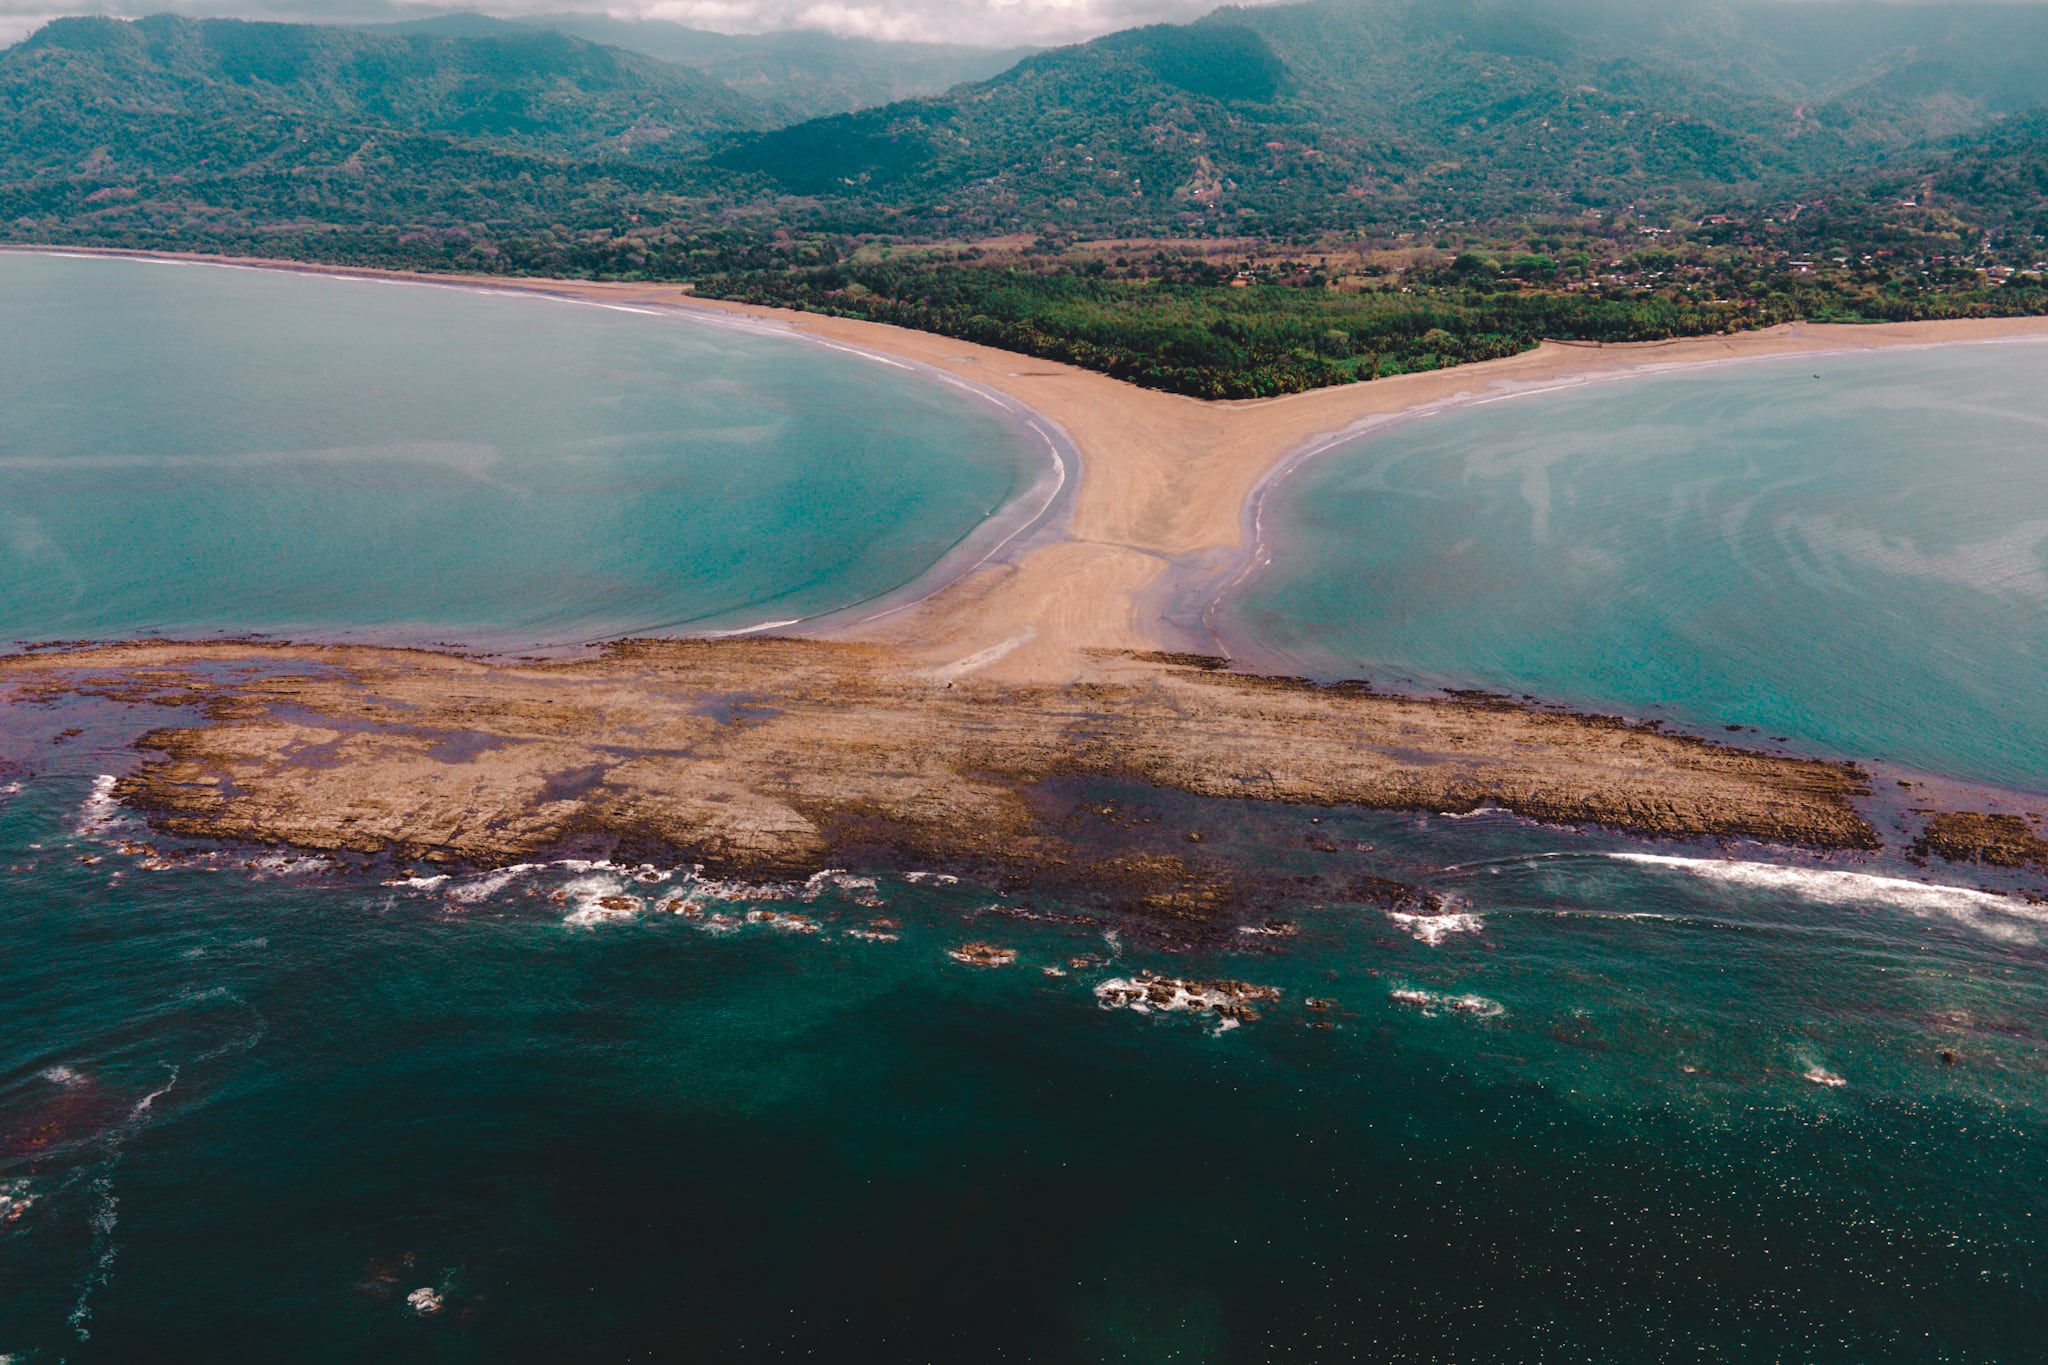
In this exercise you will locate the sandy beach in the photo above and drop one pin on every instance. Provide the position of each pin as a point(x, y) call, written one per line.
point(1164, 479)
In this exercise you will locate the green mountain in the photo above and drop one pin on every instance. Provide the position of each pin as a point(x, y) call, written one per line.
point(791, 76)
point(500, 145)
point(799, 74)
point(336, 143)
point(166, 93)
point(1998, 176)
point(1344, 113)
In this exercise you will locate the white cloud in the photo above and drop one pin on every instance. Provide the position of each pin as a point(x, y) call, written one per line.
point(988, 23)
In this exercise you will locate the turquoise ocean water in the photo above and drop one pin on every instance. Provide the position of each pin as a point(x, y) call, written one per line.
point(1852, 551)
point(189, 449)
point(1617, 1103)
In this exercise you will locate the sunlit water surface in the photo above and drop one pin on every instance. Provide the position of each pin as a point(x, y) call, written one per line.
point(1848, 550)
point(192, 450)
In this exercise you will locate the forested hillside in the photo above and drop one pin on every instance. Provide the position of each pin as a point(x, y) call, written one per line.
point(1268, 199)
point(789, 76)
point(297, 138)
point(798, 74)
point(1345, 113)
point(166, 85)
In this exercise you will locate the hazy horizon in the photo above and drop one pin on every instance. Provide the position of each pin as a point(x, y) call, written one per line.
point(978, 23)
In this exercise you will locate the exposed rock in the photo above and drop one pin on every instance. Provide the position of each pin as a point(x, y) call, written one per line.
point(1146, 992)
point(852, 753)
point(982, 955)
point(1972, 836)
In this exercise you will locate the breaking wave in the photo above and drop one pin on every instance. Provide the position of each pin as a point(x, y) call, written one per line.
point(1434, 929)
point(99, 812)
point(1433, 1003)
point(1987, 912)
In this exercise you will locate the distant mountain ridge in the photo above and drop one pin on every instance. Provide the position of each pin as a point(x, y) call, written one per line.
point(170, 89)
point(1308, 116)
point(793, 75)
point(338, 143)
point(483, 140)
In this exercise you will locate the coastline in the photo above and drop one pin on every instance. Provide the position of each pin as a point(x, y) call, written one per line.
point(1163, 497)
point(946, 720)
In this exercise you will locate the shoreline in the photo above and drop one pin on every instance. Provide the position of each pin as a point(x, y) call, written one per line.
point(1081, 608)
point(1160, 494)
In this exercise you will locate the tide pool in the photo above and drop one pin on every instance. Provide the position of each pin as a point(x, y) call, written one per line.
point(1848, 550)
point(193, 450)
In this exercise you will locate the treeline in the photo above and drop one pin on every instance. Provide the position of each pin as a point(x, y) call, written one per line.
point(1253, 341)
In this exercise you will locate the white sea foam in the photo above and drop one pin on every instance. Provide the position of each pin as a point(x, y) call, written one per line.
point(598, 900)
point(937, 878)
point(15, 1202)
point(710, 888)
point(1230, 1002)
point(9, 789)
point(1984, 911)
point(62, 1075)
point(99, 812)
point(1432, 1003)
point(859, 890)
point(787, 921)
point(1122, 993)
point(1434, 929)
point(490, 883)
point(106, 1214)
point(286, 865)
point(418, 883)
point(1820, 1075)
point(424, 1301)
point(143, 1105)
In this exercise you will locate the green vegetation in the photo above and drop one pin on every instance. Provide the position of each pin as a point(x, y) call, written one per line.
point(1270, 199)
point(1348, 116)
point(794, 75)
point(1254, 339)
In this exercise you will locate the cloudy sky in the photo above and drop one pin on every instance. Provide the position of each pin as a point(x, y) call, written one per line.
point(985, 22)
point(989, 23)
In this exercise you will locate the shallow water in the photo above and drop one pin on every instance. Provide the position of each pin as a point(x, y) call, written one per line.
point(1620, 1111)
point(1848, 550)
point(193, 450)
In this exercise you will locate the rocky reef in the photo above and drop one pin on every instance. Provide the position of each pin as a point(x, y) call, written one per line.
point(771, 757)
point(1976, 837)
